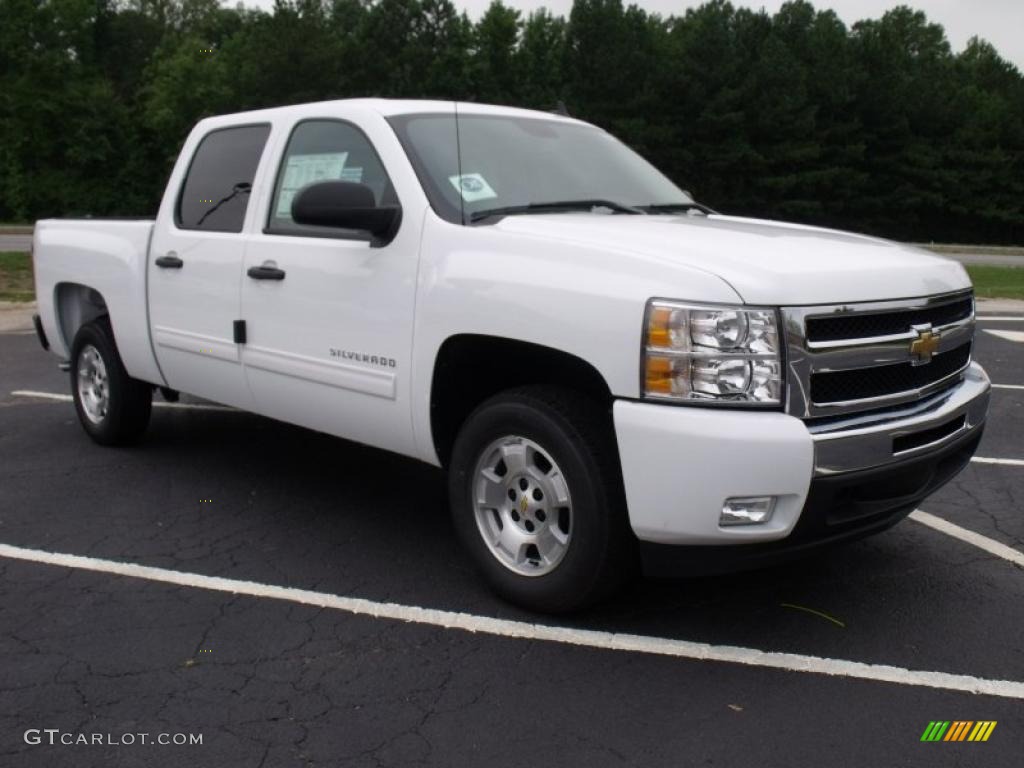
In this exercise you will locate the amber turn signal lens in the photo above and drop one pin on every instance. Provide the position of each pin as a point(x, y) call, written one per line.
point(657, 327)
point(658, 376)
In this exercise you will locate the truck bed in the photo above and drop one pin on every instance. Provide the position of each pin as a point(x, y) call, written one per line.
point(87, 267)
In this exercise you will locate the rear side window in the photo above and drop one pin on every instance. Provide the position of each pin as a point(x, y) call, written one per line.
point(217, 186)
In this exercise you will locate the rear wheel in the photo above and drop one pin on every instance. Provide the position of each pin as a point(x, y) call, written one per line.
point(536, 497)
point(113, 408)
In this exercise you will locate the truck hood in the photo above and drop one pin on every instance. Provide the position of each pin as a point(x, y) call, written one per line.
point(765, 262)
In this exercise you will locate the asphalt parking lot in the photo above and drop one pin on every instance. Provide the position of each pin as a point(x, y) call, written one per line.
point(170, 618)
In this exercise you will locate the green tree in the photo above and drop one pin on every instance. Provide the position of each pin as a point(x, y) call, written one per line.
point(879, 127)
point(494, 72)
point(538, 60)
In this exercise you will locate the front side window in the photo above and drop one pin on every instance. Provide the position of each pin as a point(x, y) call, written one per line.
point(326, 150)
point(474, 163)
point(215, 194)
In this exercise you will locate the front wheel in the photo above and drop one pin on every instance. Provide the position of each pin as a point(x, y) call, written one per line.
point(112, 407)
point(536, 497)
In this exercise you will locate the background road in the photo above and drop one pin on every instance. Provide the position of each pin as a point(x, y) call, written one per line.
point(15, 242)
point(268, 682)
point(991, 259)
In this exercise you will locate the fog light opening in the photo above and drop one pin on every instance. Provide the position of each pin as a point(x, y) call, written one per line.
point(754, 510)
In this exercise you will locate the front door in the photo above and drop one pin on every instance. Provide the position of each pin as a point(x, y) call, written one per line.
point(329, 315)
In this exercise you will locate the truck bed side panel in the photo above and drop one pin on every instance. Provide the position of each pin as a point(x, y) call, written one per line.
point(110, 258)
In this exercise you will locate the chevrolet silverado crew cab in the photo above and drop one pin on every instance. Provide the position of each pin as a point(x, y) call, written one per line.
point(612, 374)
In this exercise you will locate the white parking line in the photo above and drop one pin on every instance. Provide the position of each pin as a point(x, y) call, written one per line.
point(589, 638)
point(68, 399)
point(1000, 319)
point(991, 546)
point(1006, 462)
point(1008, 386)
point(1017, 336)
point(41, 395)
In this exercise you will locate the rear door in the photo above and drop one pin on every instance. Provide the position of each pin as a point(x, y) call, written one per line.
point(195, 267)
point(329, 341)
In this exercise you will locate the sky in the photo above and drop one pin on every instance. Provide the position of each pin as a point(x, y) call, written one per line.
point(1001, 22)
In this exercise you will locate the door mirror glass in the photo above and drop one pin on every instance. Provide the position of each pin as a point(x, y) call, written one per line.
point(344, 205)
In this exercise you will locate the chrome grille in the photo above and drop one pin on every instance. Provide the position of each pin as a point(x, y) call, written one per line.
point(832, 372)
point(871, 324)
point(837, 387)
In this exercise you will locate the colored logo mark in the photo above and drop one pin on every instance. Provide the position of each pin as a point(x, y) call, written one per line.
point(958, 730)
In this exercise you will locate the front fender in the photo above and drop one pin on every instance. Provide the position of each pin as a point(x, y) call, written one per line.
point(582, 300)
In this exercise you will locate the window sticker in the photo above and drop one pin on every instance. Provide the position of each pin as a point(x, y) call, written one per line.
point(352, 174)
point(307, 169)
point(472, 187)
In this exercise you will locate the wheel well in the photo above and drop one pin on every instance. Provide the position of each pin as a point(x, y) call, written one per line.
point(77, 305)
point(471, 368)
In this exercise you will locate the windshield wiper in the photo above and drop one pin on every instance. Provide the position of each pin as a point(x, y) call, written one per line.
point(553, 207)
point(657, 208)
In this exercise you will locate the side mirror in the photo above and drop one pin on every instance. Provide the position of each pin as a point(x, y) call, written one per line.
point(346, 205)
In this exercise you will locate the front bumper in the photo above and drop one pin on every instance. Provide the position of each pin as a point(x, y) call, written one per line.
point(838, 509)
point(861, 442)
point(832, 479)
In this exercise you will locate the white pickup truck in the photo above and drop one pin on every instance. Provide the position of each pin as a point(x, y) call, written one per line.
point(612, 373)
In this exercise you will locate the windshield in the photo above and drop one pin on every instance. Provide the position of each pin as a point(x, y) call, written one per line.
point(515, 162)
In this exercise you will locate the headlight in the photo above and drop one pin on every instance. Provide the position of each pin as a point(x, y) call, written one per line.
point(707, 354)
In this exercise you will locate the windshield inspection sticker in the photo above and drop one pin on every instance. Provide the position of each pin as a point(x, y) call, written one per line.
point(472, 187)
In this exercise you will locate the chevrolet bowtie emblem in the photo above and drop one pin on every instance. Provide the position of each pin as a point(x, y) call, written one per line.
point(924, 347)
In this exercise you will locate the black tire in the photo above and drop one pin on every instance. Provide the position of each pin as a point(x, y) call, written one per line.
point(129, 401)
point(578, 435)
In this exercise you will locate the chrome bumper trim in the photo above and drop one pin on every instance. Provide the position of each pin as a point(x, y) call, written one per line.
point(865, 441)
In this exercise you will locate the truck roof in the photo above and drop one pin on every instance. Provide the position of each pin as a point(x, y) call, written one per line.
point(386, 107)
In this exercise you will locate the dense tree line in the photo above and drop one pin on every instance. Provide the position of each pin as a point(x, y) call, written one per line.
point(878, 127)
